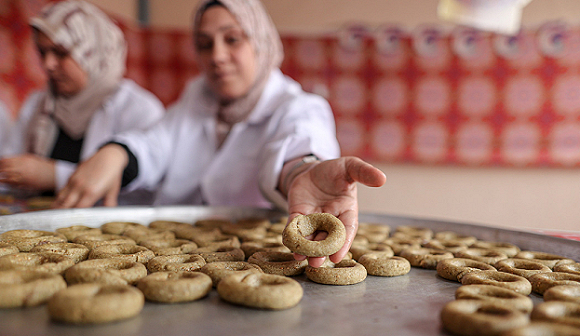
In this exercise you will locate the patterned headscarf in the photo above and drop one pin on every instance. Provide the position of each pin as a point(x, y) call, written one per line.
point(260, 30)
point(99, 47)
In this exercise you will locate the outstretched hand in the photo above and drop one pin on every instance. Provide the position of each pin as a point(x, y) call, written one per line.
point(97, 178)
point(331, 187)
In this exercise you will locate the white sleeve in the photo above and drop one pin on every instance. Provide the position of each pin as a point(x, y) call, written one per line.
point(62, 171)
point(153, 149)
point(305, 127)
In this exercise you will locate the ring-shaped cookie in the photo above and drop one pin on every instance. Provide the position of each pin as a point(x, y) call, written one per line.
point(454, 269)
point(139, 235)
point(107, 271)
point(25, 240)
point(24, 288)
point(118, 228)
point(506, 248)
point(452, 246)
point(374, 233)
point(380, 264)
point(71, 232)
point(425, 257)
point(95, 240)
point(220, 269)
point(454, 236)
point(212, 254)
point(173, 287)
point(129, 252)
point(477, 317)
point(404, 231)
point(167, 225)
point(345, 272)
point(92, 303)
point(547, 259)
point(36, 261)
point(543, 281)
point(295, 233)
point(279, 263)
point(260, 290)
point(358, 250)
point(537, 328)
point(480, 254)
point(568, 268)
point(6, 249)
point(176, 263)
point(563, 293)
point(521, 267)
point(498, 295)
point(169, 247)
point(251, 247)
point(562, 312)
point(77, 252)
point(514, 282)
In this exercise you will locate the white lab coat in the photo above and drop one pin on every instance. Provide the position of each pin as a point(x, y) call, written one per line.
point(179, 157)
point(6, 128)
point(131, 107)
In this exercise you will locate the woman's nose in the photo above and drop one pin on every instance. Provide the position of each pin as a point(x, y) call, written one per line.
point(49, 61)
point(219, 52)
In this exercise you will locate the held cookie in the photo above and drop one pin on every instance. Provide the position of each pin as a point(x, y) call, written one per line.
point(92, 303)
point(295, 233)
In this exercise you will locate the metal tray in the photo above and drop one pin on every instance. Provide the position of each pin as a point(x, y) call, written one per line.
point(405, 305)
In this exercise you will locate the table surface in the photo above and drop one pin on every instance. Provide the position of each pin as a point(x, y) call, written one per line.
point(404, 305)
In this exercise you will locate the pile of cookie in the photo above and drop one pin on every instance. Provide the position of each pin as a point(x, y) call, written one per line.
point(95, 275)
point(497, 279)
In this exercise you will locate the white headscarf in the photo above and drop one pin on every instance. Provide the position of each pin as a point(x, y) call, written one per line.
point(260, 30)
point(99, 47)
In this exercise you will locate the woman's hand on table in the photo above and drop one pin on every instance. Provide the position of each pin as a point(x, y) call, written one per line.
point(331, 187)
point(28, 171)
point(97, 178)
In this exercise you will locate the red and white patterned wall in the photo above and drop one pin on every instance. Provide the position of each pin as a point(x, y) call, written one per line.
point(426, 96)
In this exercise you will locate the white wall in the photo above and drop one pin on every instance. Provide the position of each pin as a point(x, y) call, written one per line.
point(521, 198)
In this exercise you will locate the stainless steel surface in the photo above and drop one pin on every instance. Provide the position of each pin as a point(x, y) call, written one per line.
point(405, 305)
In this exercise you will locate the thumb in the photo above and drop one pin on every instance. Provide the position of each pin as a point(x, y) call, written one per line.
point(365, 173)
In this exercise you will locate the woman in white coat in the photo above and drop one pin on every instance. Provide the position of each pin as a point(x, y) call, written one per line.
point(86, 103)
point(6, 127)
point(242, 133)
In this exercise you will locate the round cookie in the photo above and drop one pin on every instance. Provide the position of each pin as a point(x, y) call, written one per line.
point(77, 252)
point(92, 303)
point(176, 262)
point(108, 271)
point(498, 295)
point(346, 272)
point(279, 263)
point(455, 268)
point(513, 282)
point(25, 288)
point(477, 317)
point(295, 233)
point(260, 290)
point(220, 269)
point(173, 287)
point(380, 264)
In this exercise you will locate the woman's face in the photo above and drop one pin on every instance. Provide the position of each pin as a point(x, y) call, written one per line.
point(64, 73)
point(225, 54)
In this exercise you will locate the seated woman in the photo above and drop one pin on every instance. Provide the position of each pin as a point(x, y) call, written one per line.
point(86, 102)
point(241, 134)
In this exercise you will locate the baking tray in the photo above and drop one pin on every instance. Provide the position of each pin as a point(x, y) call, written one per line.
point(404, 305)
